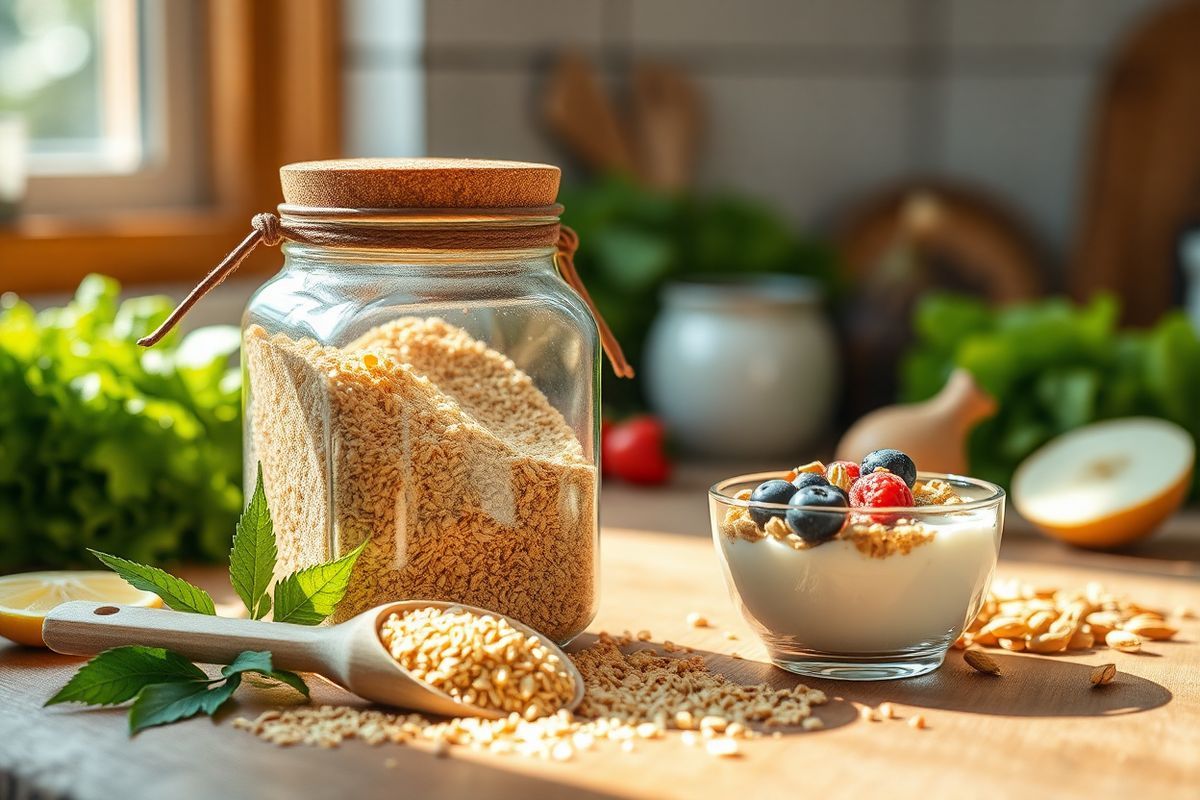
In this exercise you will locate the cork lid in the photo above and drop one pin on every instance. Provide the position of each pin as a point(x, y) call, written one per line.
point(419, 183)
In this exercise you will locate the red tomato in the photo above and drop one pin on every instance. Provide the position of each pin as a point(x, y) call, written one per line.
point(633, 451)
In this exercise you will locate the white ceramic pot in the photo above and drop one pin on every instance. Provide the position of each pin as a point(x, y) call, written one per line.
point(743, 368)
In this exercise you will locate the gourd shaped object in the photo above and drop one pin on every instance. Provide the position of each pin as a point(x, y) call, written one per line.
point(933, 432)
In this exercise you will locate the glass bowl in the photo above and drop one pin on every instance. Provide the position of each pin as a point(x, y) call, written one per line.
point(885, 599)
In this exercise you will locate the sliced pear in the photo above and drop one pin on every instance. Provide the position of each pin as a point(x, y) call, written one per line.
point(1106, 484)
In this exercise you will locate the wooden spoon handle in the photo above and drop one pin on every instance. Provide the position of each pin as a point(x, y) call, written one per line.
point(82, 628)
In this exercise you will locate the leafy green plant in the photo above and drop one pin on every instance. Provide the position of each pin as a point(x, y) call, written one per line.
point(108, 445)
point(165, 686)
point(1053, 366)
point(634, 239)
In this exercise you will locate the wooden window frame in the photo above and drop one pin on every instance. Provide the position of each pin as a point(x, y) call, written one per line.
point(273, 95)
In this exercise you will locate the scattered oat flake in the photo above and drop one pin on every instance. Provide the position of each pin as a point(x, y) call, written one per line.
point(629, 696)
point(722, 748)
point(916, 721)
point(697, 620)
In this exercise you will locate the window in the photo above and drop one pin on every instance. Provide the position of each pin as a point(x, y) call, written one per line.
point(151, 130)
point(106, 113)
point(70, 70)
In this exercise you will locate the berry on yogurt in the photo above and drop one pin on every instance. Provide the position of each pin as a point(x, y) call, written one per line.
point(880, 490)
point(893, 461)
point(806, 479)
point(809, 522)
point(773, 491)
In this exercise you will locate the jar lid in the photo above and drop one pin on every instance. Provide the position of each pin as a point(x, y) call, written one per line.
point(419, 183)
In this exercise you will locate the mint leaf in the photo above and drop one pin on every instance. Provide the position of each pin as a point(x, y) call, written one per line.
point(249, 661)
point(310, 595)
point(290, 678)
point(118, 675)
point(161, 703)
point(252, 558)
point(175, 592)
point(260, 662)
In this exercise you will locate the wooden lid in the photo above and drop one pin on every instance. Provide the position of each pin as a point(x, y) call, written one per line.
point(419, 183)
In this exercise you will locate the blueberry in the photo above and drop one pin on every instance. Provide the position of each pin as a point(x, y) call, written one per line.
point(809, 479)
point(815, 527)
point(893, 461)
point(770, 492)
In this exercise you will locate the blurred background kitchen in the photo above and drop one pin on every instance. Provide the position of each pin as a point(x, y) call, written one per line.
point(792, 213)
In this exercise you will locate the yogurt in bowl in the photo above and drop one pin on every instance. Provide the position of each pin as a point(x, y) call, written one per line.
point(883, 598)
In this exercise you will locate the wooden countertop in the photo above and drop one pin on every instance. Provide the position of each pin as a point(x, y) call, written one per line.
point(1039, 730)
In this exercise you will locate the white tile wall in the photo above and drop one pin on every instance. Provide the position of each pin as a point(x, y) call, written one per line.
point(1041, 23)
point(808, 145)
point(489, 114)
point(812, 103)
point(683, 23)
point(386, 111)
point(1023, 138)
point(527, 23)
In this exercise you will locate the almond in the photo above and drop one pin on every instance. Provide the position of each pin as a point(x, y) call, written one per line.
point(981, 662)
point(1149, 628)
point(1006, 627)
point(1048, 642)
point(1124, 641)
point(1082, 639)
point(1104, 674)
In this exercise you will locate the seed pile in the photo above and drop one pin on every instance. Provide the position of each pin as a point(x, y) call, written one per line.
point(629, 698)
point(467, 484)
point(644, 686)
point(478, 659)
point(1018, 616)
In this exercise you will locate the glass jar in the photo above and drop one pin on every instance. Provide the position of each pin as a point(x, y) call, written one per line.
point(424, 381)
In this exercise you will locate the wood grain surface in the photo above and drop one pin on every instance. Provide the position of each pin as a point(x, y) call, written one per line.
point(1039, 730)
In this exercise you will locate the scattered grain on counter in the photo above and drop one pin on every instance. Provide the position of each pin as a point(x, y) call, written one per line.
point(467, 484)
point(480, 660)
point(697, 620)
point(628, 696)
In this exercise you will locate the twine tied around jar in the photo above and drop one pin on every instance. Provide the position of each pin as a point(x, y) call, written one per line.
point(270, 230)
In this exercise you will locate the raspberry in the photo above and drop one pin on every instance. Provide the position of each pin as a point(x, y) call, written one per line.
point(880, 489)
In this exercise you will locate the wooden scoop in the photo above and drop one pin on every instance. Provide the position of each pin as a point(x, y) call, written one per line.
point(350, 654)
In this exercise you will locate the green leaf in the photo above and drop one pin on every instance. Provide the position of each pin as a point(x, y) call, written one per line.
point(259, 661)
point(290, 678)
point(175, 592)
point(161, 703)
point(252, 559)
point(310, 595)
point(118, 675)
point(249, 661)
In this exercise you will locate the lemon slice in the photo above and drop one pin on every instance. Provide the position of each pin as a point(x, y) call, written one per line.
point(25, 598)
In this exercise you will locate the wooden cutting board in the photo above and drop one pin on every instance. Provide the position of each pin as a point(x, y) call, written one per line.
point(1037, 731)
point(1143, 179)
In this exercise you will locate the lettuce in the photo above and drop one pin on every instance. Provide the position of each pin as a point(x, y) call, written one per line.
point(1053, 366)
point(107, 445)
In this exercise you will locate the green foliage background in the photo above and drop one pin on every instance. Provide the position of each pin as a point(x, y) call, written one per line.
point(633, 240)
point(1053, 366)
point(107, 445)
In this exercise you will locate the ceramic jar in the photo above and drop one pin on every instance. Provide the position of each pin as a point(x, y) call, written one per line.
point(744, 368)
